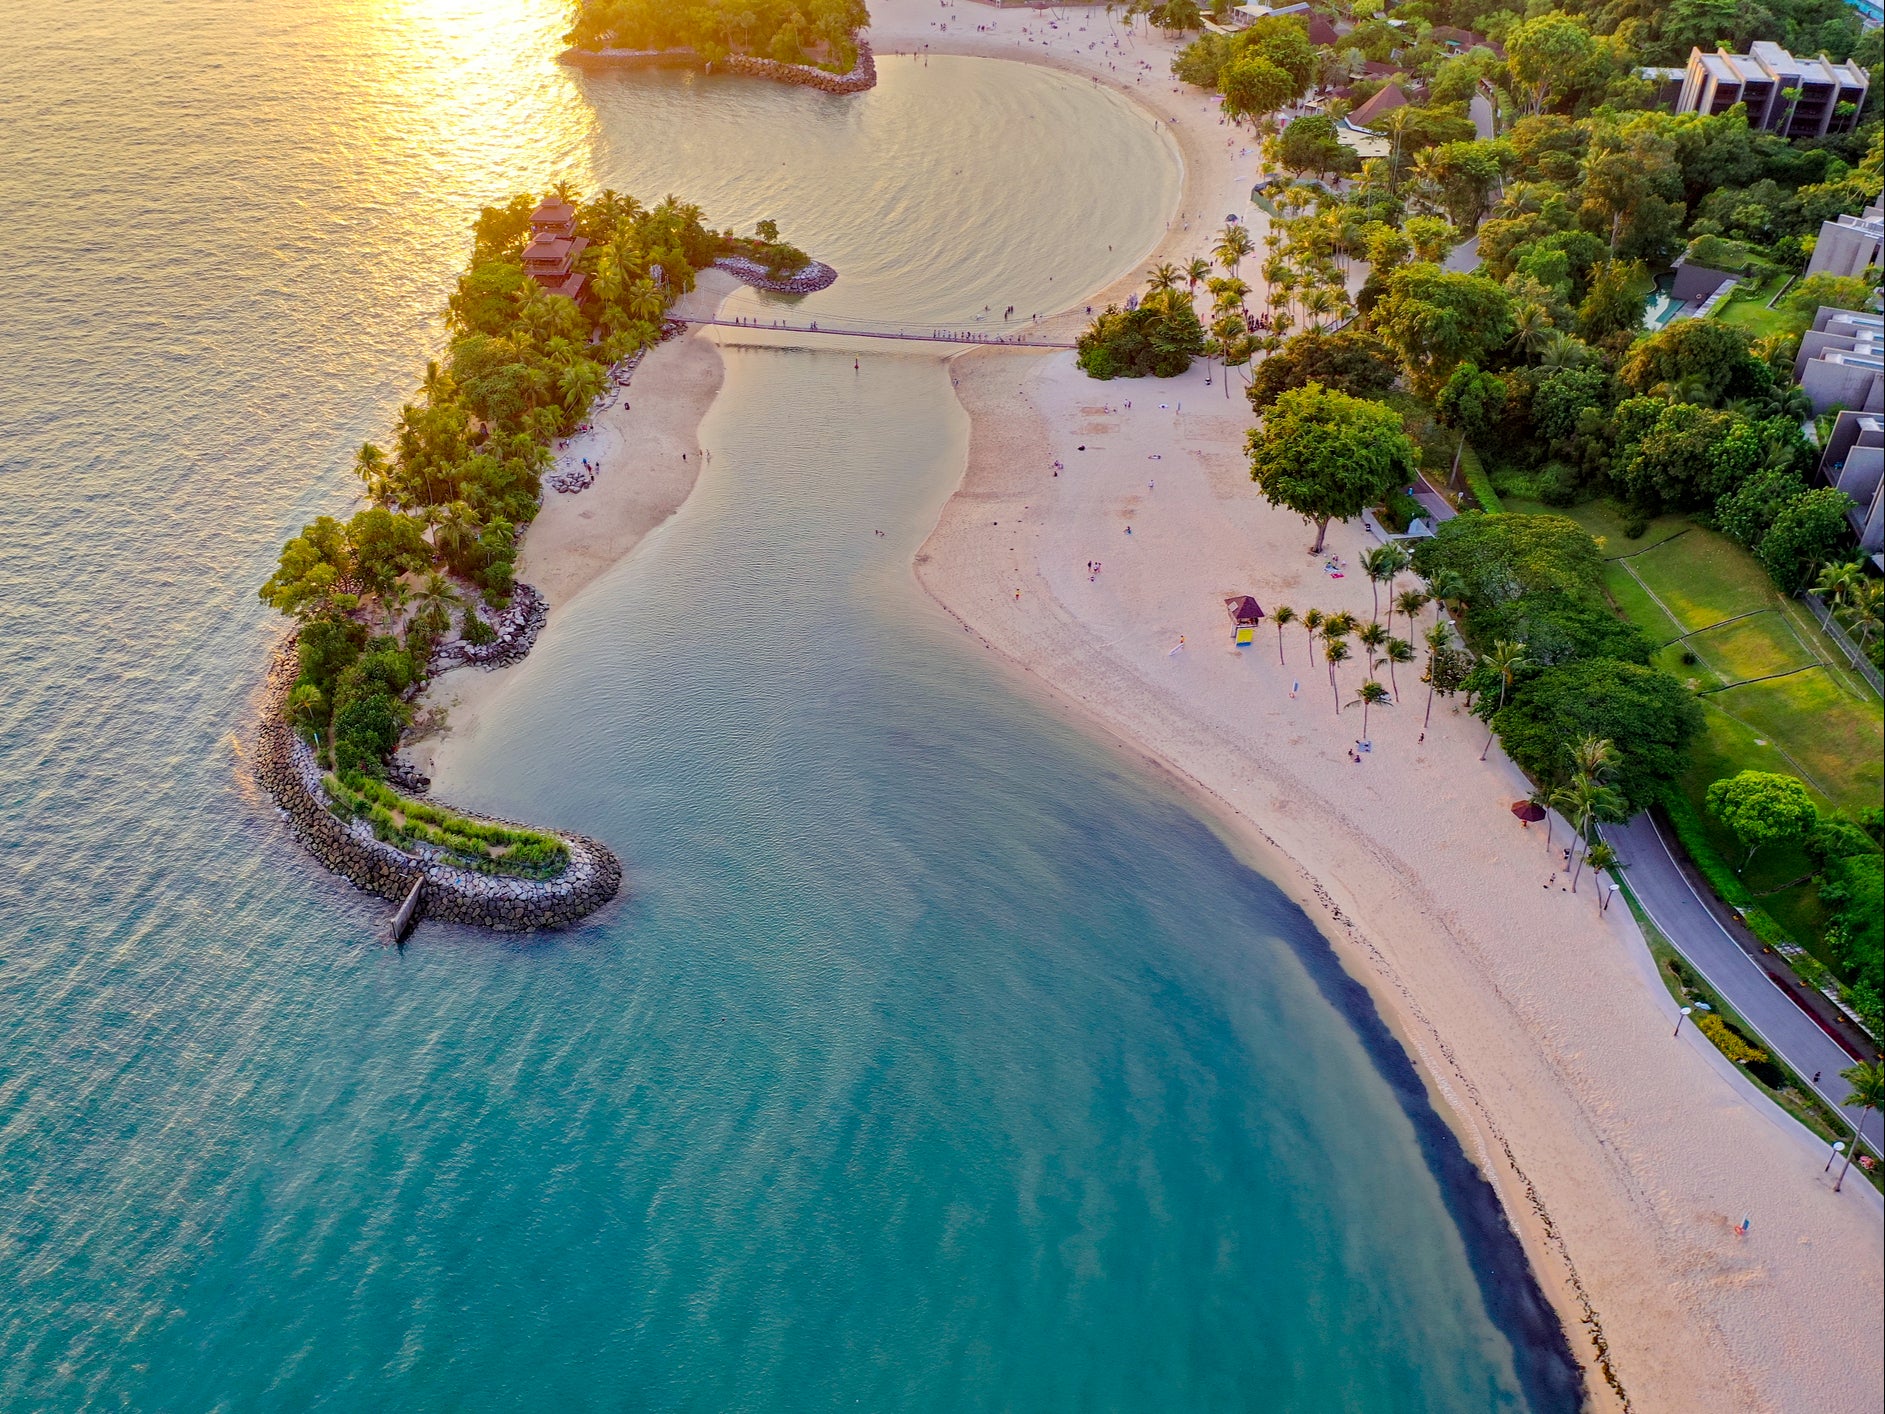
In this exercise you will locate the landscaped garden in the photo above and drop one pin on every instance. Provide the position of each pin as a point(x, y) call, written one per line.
point(480, 845)
point(1776, 697)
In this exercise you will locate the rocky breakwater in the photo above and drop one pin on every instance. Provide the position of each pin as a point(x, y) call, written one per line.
point(815, 276)
point(286, 767)
point(862, 75)
point(515, 630)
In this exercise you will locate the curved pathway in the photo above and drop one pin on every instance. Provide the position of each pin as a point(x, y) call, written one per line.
point(1802, 1040)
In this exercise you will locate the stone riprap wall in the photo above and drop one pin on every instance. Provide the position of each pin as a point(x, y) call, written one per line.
point(287, 769)
point(516, 628)
point(815, 276)
point(863, 74)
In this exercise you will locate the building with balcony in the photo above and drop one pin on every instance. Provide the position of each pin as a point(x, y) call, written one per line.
point(550, 258)
point(1796, 98)
point(1854, 462)
point(1850, 244)
point(1842, 361)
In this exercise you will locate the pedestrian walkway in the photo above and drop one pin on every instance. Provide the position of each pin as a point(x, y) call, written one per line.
point(1799, 1040)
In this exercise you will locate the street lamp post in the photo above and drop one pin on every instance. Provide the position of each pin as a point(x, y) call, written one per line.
point(1679, 1020)
point(1839, 1147)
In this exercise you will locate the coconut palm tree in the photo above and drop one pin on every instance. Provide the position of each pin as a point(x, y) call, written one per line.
point(1338, 625)
point(1163, 277)
point(1197, 270)
point(1281, 616)
point(435, 594)
point(373, 467)
point(1506, 659)
point(1372, 636)
point(1410, 602)
point(1448, 587)
point(1867, 1080)
point(1312, 621)
point(1336, 651)
point(1600, 857)
point(1439, 637)
point(1233, 244)
point(1592, 756)
point(1381, 564)
point(1838, 583)
point(1583, 802)
point(456, 534)
point(1368, 694)
point(1532, 328)
point(1397, 650)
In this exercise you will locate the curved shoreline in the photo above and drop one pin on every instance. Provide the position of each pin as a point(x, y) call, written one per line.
point(286, 768)
point(1594, 1207)
point(861, 76)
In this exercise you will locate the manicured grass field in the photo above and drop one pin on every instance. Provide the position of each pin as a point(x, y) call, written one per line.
point(1679, 583)
point(1747, 307)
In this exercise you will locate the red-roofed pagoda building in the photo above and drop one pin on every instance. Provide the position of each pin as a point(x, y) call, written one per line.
point(550, 258)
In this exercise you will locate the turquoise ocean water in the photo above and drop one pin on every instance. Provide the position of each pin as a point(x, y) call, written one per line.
point(941, 1060)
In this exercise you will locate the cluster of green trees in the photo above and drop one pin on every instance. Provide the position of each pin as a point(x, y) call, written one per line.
point(1162, 332)
point(820, 32)
point(1763, 809)
point(1556, 665)
point(460, 476)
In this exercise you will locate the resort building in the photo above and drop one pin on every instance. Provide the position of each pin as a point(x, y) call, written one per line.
point(1854, 462)
point(1842, 361)
point(1850, 244)
point(1796, 98)
point(550, 258)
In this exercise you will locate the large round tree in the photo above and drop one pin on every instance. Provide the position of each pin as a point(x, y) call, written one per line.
point(1328, 456)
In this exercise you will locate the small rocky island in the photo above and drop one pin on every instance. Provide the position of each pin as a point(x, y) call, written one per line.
point(811, 43)
point(561, 300)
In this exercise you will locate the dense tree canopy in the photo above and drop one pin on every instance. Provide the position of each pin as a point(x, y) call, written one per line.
point(1649, 715)
point(1763, 808)
point(792, 31)
point(1329, 456)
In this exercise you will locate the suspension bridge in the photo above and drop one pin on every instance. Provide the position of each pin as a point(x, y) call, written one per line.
point(1007, 334)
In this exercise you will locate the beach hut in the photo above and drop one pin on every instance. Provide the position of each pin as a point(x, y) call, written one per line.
point(1245, 614)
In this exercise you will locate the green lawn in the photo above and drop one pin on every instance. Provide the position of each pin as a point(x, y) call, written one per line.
point(1753, 647)
point(1747, 307)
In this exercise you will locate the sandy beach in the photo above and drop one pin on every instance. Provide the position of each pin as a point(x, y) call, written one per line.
point(647, 442)
point(1625, 1156)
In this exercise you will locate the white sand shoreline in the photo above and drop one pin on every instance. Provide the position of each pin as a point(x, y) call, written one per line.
point(647, 442)
point(1623, 1155)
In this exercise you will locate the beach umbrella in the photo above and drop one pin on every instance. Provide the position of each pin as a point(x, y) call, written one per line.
point(1528, 811)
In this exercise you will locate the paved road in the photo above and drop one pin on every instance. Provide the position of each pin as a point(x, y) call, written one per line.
point(1680, 915)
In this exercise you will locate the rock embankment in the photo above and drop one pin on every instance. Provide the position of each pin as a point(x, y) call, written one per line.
point(815, 276)
point(863, 74)
point(516, 629)
point(286, 767)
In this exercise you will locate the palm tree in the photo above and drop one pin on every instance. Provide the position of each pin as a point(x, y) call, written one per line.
point(1439, 637)
point(1281, 616)
point(1397, 650)
point(1533, 328)
point(1410, 602)
point(1600, 857)
point(370, 464)
point(1312, 621)
point(1336, 651)
point(435, 593)
point(1368, 694)
point(1448, 587)
point(1506, 658)
point(1582, 802)
point(1233, 245)
point(1381, 564)
point(1197, 269)
point(1868, 1092)
point(1837, 583)
point(456, 533)
point(1372, 636)
point(1592, 756)
point(1165, 276)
